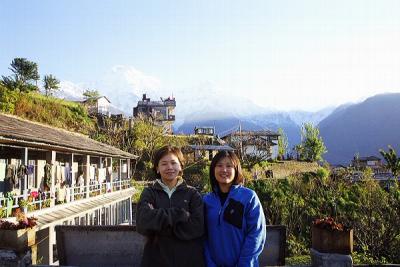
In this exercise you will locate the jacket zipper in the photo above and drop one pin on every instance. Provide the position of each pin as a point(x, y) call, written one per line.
point(222, 207)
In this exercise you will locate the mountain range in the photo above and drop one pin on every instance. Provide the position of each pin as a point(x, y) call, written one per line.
point(361, 128)
point(350, 129)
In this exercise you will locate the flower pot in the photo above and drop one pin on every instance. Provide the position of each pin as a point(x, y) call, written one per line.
point(332, 241)
point(19, 240)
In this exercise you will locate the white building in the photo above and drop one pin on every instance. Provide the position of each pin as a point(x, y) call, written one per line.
point(254, 143)
point(98, 105)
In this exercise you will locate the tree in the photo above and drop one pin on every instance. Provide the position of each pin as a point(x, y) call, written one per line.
point(89, 94)
point(312, 146)
point(51, 83)
point(282, 143)
point(392, 161)
point(10, 83)
point(146, 138)
point(24, 72)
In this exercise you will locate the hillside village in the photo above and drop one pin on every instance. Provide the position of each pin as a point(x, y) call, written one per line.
point(79, 163)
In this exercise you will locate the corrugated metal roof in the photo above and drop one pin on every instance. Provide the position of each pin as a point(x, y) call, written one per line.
point(17, 131)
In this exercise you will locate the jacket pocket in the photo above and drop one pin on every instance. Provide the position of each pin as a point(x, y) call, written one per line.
point(233, 213)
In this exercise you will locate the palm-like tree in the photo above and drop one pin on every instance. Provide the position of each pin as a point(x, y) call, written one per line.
point(392, 161)
point(51, 83)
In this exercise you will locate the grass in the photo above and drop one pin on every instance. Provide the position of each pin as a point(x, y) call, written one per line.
point(284, 169)
point(49, 110)
point(302, 260)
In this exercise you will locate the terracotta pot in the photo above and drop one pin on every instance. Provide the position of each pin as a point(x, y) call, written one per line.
point(332, 241)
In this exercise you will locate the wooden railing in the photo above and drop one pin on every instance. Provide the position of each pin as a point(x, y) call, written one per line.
point(36, 200)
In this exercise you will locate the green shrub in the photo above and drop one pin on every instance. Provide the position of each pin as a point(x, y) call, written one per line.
point(365, 206)
point(298, 260)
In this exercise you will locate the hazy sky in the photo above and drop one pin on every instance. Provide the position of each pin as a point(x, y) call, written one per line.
point(280, 54)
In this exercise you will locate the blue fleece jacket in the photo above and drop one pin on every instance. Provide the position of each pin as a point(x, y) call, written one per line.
point(236, 231)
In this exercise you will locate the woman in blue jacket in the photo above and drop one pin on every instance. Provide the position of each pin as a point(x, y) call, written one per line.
point(235, 220)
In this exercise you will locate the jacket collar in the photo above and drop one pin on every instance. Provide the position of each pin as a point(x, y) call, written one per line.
point(181, 183)
point(233, 187)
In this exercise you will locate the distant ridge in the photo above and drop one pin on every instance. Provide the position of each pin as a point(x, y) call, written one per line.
point(362, 128)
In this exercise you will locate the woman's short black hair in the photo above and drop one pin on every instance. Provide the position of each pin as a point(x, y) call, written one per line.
point(236, 164)
point(164, 151)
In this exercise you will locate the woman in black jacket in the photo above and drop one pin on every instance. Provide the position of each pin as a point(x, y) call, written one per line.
point(170, 215)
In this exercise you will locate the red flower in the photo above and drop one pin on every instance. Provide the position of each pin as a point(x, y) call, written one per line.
point(34, 194)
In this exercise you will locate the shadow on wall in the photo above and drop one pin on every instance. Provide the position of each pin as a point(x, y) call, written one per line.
point(122, 246)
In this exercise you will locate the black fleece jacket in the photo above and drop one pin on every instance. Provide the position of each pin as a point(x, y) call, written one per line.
point(174, 226)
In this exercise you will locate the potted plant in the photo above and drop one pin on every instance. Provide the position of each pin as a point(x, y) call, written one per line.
point(329, 236)
point(20, 235)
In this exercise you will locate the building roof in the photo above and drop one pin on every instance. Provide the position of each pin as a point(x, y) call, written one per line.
point(95, 98)
point(211, 147)
point(252, 133)
point(20, 132)
point(204, 127)
point(369, 158)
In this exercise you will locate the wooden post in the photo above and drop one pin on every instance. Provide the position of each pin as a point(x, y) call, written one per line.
point(120, 174)
point(128, 174)
point(24, 188)
point(86, 173)
point(109, 164)
point(73, 179)
point(51, 159)
point(130, 211)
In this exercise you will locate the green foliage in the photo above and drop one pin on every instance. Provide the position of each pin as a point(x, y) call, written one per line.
point(50, 84)
point(312, 146)
point(303, 260)
point(8, 99)
point(3, 212)
point(282, 143)
point(24, 72)
point(365, 206)
point(48, 110)
point(365, 258)
point(139, 189)
point(24, 69)
point(145, 138)
point(10, 83)
point(297, 247)
point(89, 94)
point(196, 174)
point(392, 160)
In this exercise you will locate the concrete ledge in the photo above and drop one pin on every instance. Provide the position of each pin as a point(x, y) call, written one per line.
point(99, 245)
point(273, 253)
point(330, 259)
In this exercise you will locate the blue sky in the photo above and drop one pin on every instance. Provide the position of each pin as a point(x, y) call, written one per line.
point(280, 54)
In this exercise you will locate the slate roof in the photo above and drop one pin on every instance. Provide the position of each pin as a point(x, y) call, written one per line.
point(22, 132)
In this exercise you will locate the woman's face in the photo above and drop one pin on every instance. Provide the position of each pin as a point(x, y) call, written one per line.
point(169, 167)
point(224, 172)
